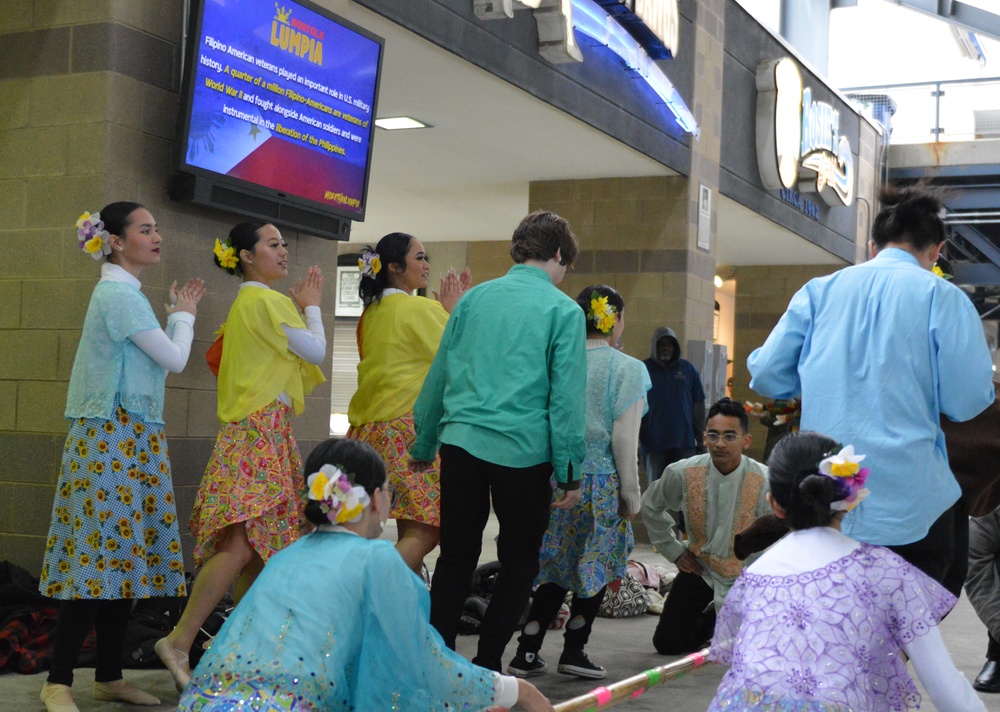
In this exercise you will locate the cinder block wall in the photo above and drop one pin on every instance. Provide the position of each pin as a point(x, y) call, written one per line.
point(90, 94)
point(634, 237)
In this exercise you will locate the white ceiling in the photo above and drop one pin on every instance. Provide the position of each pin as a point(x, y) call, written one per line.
point(467, 177)
point(745, 238)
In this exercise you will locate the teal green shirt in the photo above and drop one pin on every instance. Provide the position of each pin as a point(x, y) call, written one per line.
point(508, 383)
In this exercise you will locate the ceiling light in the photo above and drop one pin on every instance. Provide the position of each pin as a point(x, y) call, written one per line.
point(395, 123)
point(719, 281)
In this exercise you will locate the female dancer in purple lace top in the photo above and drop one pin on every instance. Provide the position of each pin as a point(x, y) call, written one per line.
point(818, 622)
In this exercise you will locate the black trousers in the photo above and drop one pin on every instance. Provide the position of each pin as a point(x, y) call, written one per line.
point(944, 553)
point(521, 499)
point(544, 607)
point(684, 625)
point(74, 623)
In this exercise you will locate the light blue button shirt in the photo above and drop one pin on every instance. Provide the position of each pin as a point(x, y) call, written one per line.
point(877, 351)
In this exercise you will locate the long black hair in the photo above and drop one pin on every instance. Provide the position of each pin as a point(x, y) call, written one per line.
point(392, 250)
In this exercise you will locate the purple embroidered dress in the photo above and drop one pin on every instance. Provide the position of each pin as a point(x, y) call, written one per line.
point(826, 640)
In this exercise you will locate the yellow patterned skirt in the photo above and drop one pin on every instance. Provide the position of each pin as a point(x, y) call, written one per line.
point(254, 476)
point(418, 494)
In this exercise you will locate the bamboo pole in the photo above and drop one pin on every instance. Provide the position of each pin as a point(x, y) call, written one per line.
point(632, 687)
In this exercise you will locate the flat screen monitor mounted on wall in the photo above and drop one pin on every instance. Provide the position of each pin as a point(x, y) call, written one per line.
point(277, 114)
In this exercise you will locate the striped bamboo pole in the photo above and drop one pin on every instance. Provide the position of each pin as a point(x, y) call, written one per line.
point(632, 687)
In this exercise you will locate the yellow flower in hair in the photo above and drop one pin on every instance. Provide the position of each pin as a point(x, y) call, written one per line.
point(317, 488)
point(370, 264)
point(603, 314)
point(83, 221)
point(844, 469)
point(94, 245)
point(940, 272)
point(226, 254)
point(598, 305)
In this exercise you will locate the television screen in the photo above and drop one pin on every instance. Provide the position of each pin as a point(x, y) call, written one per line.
point(278, 114)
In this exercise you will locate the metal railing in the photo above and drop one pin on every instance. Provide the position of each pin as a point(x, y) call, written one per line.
point(925, 112)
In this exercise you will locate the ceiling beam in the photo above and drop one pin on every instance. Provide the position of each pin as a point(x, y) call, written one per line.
point(985, 246)
point(980, 274)
point(958, 13)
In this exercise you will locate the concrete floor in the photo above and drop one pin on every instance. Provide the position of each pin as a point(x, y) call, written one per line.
point(622, 646)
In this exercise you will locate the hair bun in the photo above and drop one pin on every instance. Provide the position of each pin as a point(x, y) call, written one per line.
point(819, 491)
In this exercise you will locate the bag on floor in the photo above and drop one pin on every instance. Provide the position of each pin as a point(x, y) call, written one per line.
point(624, 598)
point(645, 574)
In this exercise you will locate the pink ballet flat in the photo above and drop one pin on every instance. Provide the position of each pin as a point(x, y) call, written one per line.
point(57, 698)
point(176, 661)
point(121, 691)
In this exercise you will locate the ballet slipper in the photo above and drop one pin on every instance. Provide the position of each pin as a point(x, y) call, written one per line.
point(122, 691)
point(176, 661)
point(57, 698)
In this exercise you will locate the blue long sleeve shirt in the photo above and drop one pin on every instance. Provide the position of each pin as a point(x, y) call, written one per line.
point(508, 383)
point(877, 351)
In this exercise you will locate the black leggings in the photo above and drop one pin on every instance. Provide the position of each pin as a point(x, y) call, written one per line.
point(544, 607)
point(110, 620)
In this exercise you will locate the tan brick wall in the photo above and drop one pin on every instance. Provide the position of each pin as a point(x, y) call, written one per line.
point(86, 123)
point(635, 236)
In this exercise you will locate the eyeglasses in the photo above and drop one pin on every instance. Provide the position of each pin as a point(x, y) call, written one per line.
point(393, 496)
point(729, 438)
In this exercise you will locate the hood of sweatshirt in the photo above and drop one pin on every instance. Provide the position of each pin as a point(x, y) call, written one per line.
point(664, 332)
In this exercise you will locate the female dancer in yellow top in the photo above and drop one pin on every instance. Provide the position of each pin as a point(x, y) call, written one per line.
point(247, 507)
point(398, 335)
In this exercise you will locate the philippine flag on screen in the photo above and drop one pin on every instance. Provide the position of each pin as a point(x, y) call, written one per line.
point(283, 97)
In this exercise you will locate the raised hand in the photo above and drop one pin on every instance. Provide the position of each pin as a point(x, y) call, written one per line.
point(187, 297)
point(451, 290)
point(308, 291)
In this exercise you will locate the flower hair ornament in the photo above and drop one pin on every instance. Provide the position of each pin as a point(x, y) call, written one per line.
point(91, 236)
point(936, 269)
point(845, 468)
point(340, 501)
point(369, 263)
point(226, 253)
point(603, 314)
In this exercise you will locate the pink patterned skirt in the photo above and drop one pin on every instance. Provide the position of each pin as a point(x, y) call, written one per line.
point(253, 476)
point(418, 494)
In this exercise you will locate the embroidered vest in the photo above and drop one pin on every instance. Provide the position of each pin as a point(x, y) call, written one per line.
point(696, 499)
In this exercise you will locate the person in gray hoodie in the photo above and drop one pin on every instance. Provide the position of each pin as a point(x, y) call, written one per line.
point(671, 429)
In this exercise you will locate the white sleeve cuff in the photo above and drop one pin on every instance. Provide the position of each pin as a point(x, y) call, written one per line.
point(505, 690)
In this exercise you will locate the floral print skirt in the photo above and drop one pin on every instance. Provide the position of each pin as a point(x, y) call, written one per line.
point(254, 477)
point(418, 494)
point(587, 547)
point(114, 523)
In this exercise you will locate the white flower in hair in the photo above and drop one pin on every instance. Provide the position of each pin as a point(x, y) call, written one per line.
point(845, 468)
point(341, 501)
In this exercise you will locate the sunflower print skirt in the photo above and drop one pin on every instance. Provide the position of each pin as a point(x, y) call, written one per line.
point(114, 523)
point(254, 477)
